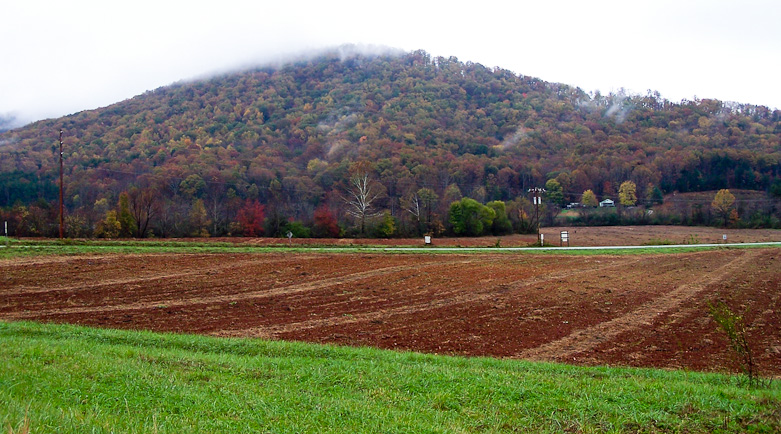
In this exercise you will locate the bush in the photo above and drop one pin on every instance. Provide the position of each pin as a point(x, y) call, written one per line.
point(298, 229)
point(470, 217)
point(733, 325)
point(387, 227)
point(501, 224)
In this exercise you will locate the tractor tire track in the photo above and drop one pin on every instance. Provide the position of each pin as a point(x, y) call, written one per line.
point(243, 296)
point(204, 271)
point(590, 337)
point(462, 296)
point(136, 279)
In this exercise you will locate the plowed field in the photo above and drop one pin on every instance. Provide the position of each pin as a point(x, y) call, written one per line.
point(578, 236)
point(638, 310)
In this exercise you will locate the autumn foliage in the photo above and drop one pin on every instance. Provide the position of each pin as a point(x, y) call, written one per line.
point(325, 223)
point(288, 138)
point(251, 217)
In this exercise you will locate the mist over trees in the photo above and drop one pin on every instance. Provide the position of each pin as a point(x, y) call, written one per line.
point(282, 145)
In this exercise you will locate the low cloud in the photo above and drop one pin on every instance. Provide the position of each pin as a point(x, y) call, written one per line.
point(9, 121)
point(350, 51)
point(8, 142)
point(335, 125)
point(519, 134)
point(620, 106)
point(335, 147)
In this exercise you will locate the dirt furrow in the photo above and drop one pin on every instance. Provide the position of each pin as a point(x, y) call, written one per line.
point(178, 302)
point(637, 310)
point(26, 290)
point(43, 260)
point(460, 296)
point(590, 337)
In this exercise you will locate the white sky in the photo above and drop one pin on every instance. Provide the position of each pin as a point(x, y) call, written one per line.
point(60, 57)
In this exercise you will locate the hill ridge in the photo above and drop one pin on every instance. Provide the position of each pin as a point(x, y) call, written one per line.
point(289, 135)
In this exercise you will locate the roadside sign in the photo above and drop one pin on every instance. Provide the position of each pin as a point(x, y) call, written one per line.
point(564, 237)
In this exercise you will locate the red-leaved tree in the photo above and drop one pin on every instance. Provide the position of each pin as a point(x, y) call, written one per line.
point(325, 223)
point(250, 218)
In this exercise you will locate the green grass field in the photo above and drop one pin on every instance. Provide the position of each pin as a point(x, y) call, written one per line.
point(22, 248)
point(67, 379)
point(10, 248)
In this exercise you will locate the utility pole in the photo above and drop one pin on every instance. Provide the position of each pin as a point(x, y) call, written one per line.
point(62, 218)
point(537, 197)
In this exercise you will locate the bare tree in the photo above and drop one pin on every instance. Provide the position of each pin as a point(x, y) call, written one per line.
point(143, 207)
point(216, 193)
point(411, 204)
point(429, 200)
point(421, 204)
point(361, 195)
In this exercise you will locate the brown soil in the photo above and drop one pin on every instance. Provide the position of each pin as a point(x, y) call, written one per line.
point(638, 310)
point(579, 236)
point(640, 235)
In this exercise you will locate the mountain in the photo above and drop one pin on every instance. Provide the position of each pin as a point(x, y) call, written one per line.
point(290, 135)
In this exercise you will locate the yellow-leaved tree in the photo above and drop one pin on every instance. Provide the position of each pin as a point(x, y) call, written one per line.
point(627, 193)
point(589, 199)
point(723, 205)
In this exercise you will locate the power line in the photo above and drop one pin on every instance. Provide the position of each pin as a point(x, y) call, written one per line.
point(537, 194)
point(62, 219)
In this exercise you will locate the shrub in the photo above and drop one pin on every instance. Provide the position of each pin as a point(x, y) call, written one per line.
point(471, 218)
point(733, 325)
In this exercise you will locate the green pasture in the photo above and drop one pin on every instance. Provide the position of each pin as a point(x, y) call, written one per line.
point(10, 248)
point(68, 379)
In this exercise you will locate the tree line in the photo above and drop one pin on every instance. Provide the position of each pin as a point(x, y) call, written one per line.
point(363, 208)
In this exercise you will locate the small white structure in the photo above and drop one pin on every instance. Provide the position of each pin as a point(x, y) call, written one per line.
point(564, 238)
point(607, 203)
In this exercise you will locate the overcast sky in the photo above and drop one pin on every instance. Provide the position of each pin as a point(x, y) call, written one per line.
point(60, 57)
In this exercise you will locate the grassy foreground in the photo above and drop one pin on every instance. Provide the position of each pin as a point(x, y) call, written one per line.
point(67, 379)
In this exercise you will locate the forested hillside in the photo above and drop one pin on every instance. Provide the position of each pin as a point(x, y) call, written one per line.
point(374, 144)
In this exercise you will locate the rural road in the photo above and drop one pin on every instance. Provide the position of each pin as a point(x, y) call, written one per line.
point(503, 249)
